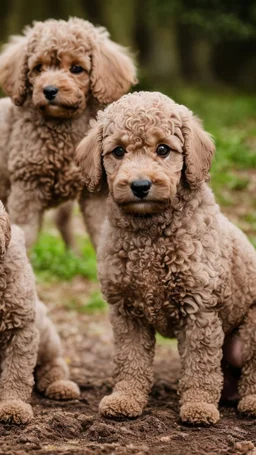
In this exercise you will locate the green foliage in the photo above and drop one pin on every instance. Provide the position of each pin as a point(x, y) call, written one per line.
point(218, 24)
point(171, 342)
point(51, 260)
point(253, 240)
point(218, 19)
point(96, 302)
point(93, 304)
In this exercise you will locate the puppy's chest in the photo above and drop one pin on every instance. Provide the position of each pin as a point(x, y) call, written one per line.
point(48, 163)
point(154, 282)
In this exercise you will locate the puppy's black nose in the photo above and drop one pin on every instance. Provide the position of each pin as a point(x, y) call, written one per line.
point(140, 188)
point(50, 92)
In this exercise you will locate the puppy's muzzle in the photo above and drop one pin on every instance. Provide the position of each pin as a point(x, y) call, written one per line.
point(50, 92)
point(140, 188)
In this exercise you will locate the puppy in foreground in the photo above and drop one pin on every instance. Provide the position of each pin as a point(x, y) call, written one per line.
point(169, 261)
point(28, 338)
point(57, 75)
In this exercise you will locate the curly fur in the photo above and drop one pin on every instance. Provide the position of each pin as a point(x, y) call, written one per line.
point(171, 262)
point(37, 136)
point(28, 337)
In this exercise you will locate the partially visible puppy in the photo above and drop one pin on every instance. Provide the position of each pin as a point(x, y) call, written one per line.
point(168, 260)
point(58, 74)
point(28, 338)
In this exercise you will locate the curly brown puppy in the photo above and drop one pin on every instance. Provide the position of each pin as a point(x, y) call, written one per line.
point(28, 337)
point(58, 74)
point(169, 261)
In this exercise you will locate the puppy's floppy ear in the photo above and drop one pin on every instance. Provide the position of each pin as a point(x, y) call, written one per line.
point(5, 230)
point(14, 69)
point(88, 156)
point(113, 70)
point(198, 149)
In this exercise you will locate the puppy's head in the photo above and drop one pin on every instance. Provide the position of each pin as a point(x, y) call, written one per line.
point(58, 64)
point(146, 145)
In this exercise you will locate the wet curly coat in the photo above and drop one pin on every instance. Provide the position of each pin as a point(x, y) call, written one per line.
point(58, 74)
point(28, 337)
point(168, 261)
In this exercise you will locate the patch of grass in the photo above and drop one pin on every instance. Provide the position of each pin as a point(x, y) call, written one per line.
point(225, 182)
point(51, 260)
point(253, 240)
point(93, 304)
point(172, 342)
point(251, 218)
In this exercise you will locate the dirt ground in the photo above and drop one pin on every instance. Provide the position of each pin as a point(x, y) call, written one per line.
point(75, 428)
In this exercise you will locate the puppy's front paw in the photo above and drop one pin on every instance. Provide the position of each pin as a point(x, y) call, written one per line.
point(199, 413)
point(62, 389)
point(247, 405)
point(119, 404)
point(15, 411)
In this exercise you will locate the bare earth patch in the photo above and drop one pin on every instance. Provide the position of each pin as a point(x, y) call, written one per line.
point(75, 428)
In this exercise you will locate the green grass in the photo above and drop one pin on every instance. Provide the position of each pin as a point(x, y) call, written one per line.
point(93, 304)
point(172, 342)
point(51, 260)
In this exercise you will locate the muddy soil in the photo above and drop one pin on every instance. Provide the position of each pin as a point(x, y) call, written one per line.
point(75, 428)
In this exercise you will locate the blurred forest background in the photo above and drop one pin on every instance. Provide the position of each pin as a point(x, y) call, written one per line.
point(204, 41)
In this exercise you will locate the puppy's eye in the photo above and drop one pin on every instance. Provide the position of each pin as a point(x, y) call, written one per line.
point(119, 152)
point(163, 150)
point(76, 69)
point(38, 68)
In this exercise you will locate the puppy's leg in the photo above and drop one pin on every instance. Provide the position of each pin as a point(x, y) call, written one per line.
point(247, 385)
point(17, 377)
point(93, 209)
point(52, 371)
point(134, 343)
point(63, 220)
point(200, 346)
point(25, 210)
